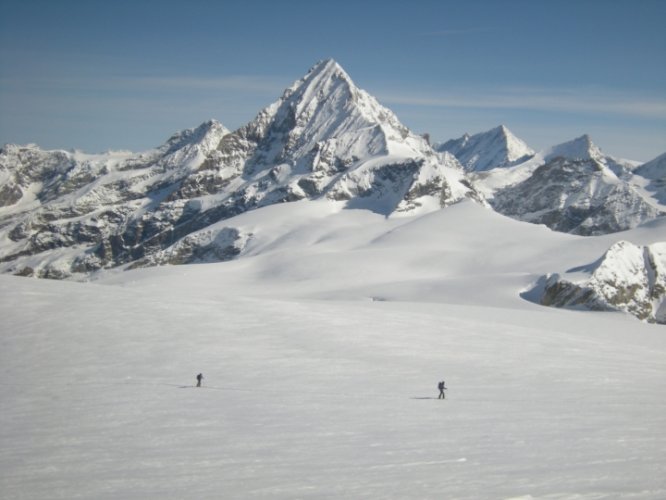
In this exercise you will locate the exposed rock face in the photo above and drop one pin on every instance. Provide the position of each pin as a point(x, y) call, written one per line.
point(200, 247)
point(627, 278)
point(77, 212)
point(575, 196)
point(68, 213)
point(324, 137)
point(573, 188)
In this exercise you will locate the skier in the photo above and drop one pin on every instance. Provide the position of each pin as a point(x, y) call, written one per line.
point(442, 387)
point(199, 379)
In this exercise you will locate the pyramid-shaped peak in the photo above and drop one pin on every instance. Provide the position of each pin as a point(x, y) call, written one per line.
point(497, 147)
point(501, 130)
point(580, 148)
point(321, 80)
point(325, 74)
point(328, 66)
point(325, 111)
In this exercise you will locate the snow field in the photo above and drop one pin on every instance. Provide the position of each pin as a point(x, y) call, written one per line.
point(315, 399)
point(321, 349)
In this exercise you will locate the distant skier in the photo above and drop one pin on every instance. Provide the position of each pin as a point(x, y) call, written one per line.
point(199, 379)
point(442, 387)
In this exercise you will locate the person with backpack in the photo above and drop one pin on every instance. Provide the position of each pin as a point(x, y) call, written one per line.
point(199, 379)
point(442, 387)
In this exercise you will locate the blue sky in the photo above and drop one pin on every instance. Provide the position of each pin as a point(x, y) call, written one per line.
point(98, 75)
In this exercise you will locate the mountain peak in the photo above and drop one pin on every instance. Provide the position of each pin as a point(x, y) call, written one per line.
point(329, 66)
point(501, 130)
point(324, 110)
point(497, 147)
point(209, 131)
point(320, 79)
point(654, 169)
point(580, 148)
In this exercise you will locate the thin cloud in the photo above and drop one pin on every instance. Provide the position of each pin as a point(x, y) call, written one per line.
point(257, 84)
point(539, 99)
point(237, 82)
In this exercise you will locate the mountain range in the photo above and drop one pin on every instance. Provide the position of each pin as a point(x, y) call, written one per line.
point(69, 215)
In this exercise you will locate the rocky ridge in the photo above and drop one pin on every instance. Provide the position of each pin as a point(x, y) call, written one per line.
point(626, 278)
point(68, 214)
point(573, 188)
point(495, 148)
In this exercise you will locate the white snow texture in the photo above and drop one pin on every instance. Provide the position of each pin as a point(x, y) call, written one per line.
point(323, 339)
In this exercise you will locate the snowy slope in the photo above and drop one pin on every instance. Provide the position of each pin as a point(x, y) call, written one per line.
point(32, 178)
point(627, 277)
point(66, 215)
point(321, 350)
point(326, 137)
point(654, 175)
point(654, 169)
point(69, 214)
point(572, 187)
point(465, 254)
point(495, 148)
point(65, 209)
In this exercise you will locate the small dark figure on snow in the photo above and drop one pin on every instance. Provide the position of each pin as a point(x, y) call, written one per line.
point(199, 379)
point(442, 387)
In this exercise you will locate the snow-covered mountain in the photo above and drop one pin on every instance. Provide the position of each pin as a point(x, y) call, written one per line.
point(495, 148)
point(654, 172)
point(31, 178)
point(572, 187)
point(66, 213)
point(326, 137)
point(628, 277)
point(296, 341)
point(69, 214)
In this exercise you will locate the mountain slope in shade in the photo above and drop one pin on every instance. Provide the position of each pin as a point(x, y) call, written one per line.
point(323, 137)
point(67, 208)
point(495, 148)
point(580, 148)
point(573, 187)
point(70, 213)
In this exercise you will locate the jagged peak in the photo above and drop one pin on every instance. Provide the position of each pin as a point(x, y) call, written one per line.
point(497, 147)
point(500, 130)
point(195, 133)
point(210, 130)
point(325, 105)
point(503, 132)
point(320, 78)
point(580, 148)
point(329, 67)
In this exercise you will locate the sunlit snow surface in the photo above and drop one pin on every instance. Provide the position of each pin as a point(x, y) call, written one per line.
point(321, 350)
